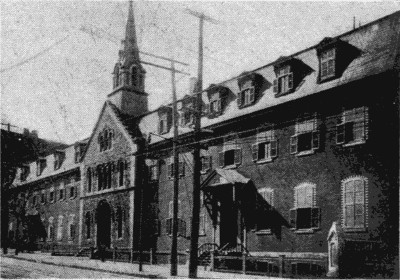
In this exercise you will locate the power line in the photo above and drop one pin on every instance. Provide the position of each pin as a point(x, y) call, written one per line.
point(40, 53)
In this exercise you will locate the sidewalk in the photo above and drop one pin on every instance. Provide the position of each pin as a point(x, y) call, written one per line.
point(127, 269)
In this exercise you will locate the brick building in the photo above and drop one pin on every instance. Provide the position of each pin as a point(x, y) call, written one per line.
point(299, 173)
point(301, 164)
point(44, 198)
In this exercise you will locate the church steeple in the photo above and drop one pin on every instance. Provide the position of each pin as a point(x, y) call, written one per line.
point(128, 76)
point(130, 44)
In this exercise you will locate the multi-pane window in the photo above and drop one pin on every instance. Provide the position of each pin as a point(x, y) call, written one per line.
point(121, 173)
point(61, 194)
point(72, 192)
point(205, 163)
point(88, 223)
point(89, 179)
point(231, 155)
point(119, 222)
point(305, 214)
point(40, 166)
point(266, 146)
point(202, 224)
point(34, 200)
point(58, 159)
point(354, 203)
point(51, 229)
point(163, 123)
point(246, 97)
point(60, 227)
point(354, 126)
point(180, 221)
point(170, 167)
point(306, 137)
point(327, 62)
point(284, 81)
point(265, 206)
point(186, 117)
point(24, 172)
point(51, 195)
point(105, 139)
point(153, 172)
point(43, 197)
point(71, 227)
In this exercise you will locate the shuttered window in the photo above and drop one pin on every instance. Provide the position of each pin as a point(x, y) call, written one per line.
point(354, 203)
point(306, 138)
point(305, 214)
point(353, 128)
point(266, 146)
point(284, 81)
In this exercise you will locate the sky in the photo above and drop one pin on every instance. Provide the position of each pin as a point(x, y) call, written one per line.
point(57, 56)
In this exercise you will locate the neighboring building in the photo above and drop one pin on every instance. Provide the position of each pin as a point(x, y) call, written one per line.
point(45, 200)
point(302, 161)
point(18, 146)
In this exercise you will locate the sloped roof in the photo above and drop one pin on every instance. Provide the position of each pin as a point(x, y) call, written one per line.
point(378, 42)
point(67, 165)
point(129, 122)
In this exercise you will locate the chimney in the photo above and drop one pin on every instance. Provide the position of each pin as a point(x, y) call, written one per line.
point(34, 134)
point(192, 85)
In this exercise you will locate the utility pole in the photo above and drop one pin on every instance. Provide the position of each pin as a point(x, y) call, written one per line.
point(194, 236)
point(174, 245)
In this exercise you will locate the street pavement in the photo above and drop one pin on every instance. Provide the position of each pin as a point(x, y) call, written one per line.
point(17, 268)
point(121, 269)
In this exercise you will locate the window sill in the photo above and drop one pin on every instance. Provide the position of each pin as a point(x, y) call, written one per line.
point(266, 160)
point(349, 230)
point(204, 171)
point(305, 230)
point(279, 94)
point(264, 232)
point(354, 143)
point(305, 153)
point(232, 166)
point(246, 105)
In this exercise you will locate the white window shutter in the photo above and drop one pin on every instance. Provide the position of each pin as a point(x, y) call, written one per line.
point(290, 81)
point(254, 149)
point(239, 98)
point(274, 148)
point(221, 159)
point(238, 156)
point(252, 95)
point(275, 86)
point(293, 144)
point(340, 134)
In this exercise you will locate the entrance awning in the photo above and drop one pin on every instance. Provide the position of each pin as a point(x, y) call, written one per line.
point(221, 176)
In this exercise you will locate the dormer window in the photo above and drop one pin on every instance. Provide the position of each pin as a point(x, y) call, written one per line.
point(164, 119)
point(217, 96)
point(40, 166)
point(284, 81)
point(162, 125)
point(290, 73)
point(58, 159)
point(250, 87)
point(186, 118)
point(334, 57)
point(246, 97)
point(328, 63)
point(215, 106)
point(79, 149)
point(24, 172)
point(105, 139)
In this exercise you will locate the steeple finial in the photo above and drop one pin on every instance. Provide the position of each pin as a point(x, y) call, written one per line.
point(131, 46)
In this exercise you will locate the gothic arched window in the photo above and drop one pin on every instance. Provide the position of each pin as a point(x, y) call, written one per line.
point(116, 76)
point(135, 76)
point(89, 179)
point(88, 224)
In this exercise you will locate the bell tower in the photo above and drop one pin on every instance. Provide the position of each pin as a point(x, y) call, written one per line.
point(128, 76)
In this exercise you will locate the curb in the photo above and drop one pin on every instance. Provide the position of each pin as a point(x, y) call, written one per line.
point(151, 276)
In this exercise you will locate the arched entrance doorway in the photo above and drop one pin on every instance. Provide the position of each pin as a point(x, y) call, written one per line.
point(103, 213)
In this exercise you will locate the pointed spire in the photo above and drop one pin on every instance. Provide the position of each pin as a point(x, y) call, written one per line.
point(131, 46)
